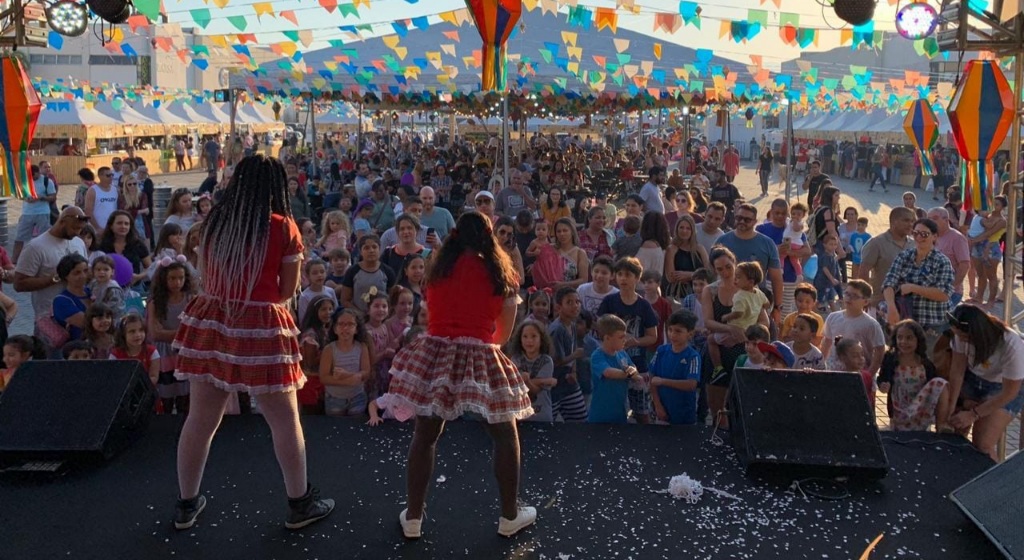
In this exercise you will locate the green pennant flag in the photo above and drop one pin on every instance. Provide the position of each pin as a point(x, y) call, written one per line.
point(238, 22)
point(148, 8)
point(293, 35)
point(348, 10)
point(201, 16)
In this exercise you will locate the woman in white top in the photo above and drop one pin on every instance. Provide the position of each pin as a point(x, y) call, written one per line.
point(654, 236)
point(986, 370)
point(101, 202)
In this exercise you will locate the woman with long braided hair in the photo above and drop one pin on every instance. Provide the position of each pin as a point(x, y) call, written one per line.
point(238, 335)
point(458, 366)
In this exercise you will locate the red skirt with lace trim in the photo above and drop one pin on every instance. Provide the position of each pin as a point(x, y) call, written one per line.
point(435, 376)
point(251, 347)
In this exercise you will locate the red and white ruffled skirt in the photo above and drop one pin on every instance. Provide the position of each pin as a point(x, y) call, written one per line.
point(252, 348)
point(446, 377)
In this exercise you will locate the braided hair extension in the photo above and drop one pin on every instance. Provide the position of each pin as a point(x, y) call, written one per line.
point(236, 232)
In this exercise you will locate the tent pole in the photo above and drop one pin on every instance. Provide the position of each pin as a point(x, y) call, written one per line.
point(1013, 256)
point(505, 137)
point(359, 133)
point(312, 128)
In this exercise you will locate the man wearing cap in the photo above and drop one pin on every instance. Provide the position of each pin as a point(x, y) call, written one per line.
point(651, 192)
point(611, 213)
point(37, 267)
point(484, 203)
point(515, 198)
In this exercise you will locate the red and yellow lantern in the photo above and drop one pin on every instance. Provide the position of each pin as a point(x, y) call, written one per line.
point(19, 107)
point(980, 113)
point(495, 20)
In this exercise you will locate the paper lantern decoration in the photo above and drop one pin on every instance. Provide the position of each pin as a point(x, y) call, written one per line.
point(749, 114)
point(980, 114)
point(922, 127)
point(495, 20)
point(19, 107)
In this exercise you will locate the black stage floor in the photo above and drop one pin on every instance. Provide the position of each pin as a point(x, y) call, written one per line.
point(595, 488)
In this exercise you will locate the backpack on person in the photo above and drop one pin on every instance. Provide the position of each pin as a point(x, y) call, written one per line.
point(812, 230)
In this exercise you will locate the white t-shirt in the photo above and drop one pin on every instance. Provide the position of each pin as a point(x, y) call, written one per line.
point(589, 297)
point(812, 359)
point(1007, 362)
point(652, 198)
point(106, 203)
point(863, 328)
point(39, 260)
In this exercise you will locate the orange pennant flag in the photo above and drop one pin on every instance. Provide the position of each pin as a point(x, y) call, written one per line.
point(453, 35)
point(329, 5)
point(606, 17)
point(657, 51)
point(290, 16)
point(137, 21)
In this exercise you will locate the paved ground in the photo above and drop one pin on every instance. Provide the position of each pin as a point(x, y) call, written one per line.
point(873, 205)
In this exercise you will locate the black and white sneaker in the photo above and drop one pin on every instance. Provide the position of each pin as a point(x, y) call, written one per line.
point(308, 509)
point(186, 512)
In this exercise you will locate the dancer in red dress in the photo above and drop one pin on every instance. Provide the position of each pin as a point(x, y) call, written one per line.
point(458, 366)
point(238, 335)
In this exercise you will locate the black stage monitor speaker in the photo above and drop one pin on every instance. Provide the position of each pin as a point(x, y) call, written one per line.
point(994, 501)
point(67, 410)
point(807, 424)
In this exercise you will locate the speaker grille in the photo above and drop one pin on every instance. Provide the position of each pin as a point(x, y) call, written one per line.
point(71, 407)
point(819, 419)
point(994, 501)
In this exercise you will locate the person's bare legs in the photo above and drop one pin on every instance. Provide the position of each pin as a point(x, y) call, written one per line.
point(992, 272)
point(506, 465)
point(420, 468)
point(281, 411)
point(979, 290)
point(988, 430)
point(205, 413)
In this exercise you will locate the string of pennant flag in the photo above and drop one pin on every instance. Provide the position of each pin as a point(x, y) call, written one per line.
point(552, 68)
